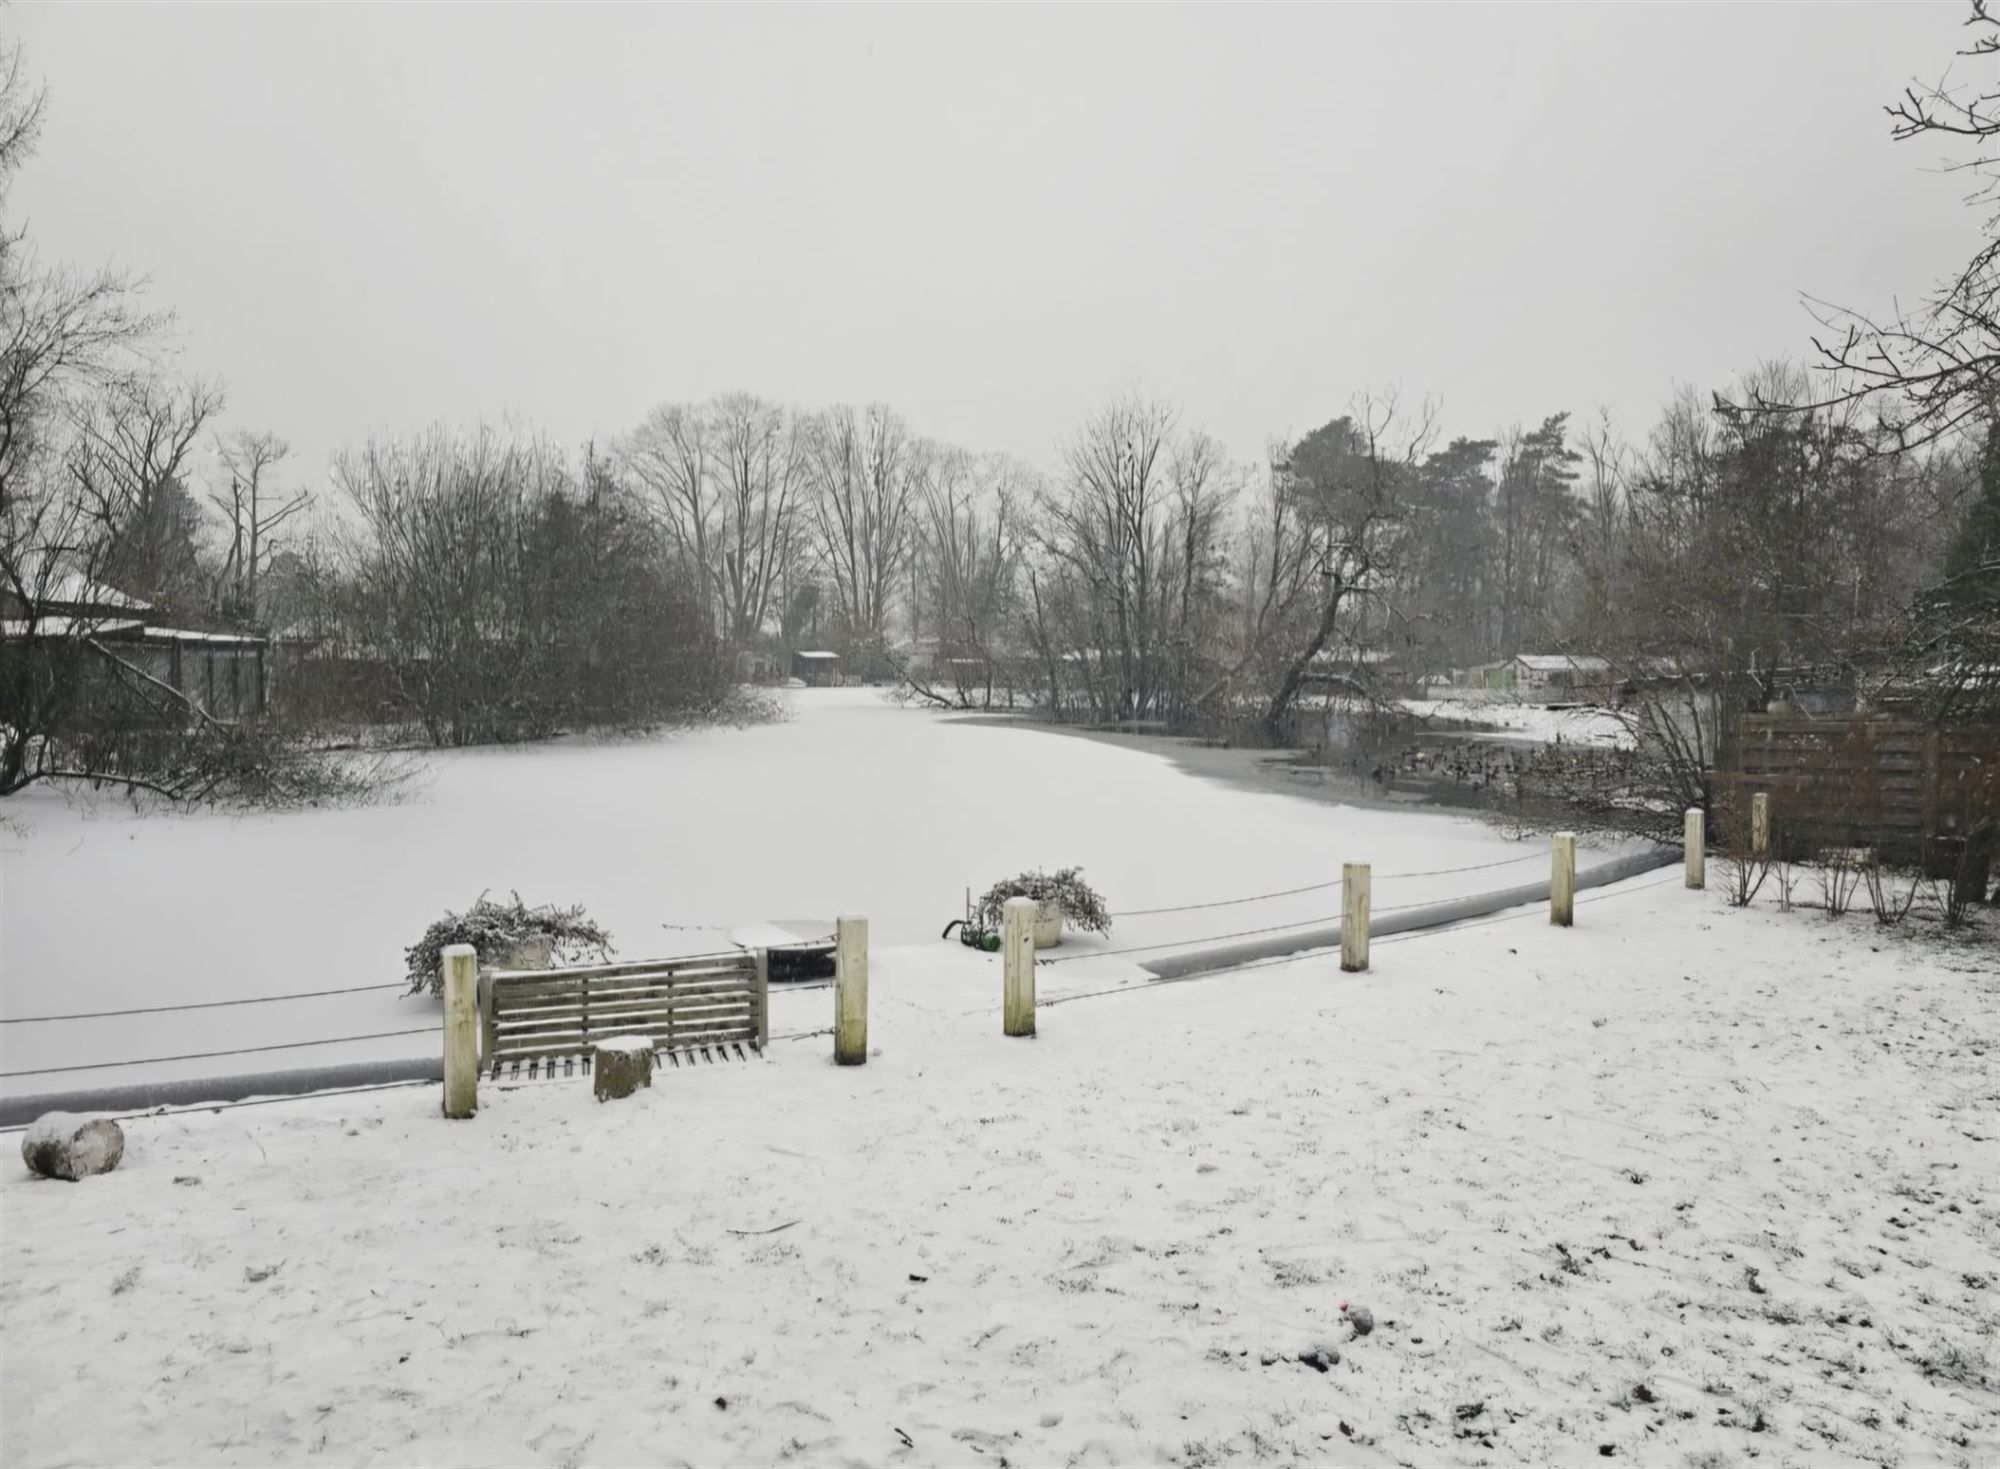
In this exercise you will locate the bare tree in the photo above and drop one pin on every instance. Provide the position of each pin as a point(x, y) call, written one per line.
point(1935, 369)
point(672, 455)
point(969, 539)
point(866, 473)
point(728, 479)
point(254, 510)
point(1131, 541)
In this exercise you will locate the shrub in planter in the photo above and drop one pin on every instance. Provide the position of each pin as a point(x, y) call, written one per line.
point(495, 929)
point(1080, 903)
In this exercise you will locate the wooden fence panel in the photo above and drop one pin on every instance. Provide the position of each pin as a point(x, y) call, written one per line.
point(1860, 780)
point(706, 1000)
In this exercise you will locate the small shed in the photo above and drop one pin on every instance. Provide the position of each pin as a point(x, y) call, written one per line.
point(1563, 677)
point(816, 668)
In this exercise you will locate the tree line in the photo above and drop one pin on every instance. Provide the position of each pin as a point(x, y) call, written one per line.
point(480, 585)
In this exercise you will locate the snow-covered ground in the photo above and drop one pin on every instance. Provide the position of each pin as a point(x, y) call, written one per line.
point(1682, 1186)
point(853, 805)
point(1580, 725)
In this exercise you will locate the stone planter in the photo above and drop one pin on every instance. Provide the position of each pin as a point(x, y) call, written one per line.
point(535, 953)
point(1048, 925)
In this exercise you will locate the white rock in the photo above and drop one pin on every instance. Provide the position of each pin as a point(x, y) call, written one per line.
point(64, 1145)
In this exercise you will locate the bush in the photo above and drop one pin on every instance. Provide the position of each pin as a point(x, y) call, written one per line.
point(494, 928)
point(1080, 903)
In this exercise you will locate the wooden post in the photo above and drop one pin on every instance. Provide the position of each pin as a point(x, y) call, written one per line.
point(1696, 846)
point(760, 1000)
point(1760, 824)
point(1562, 880)
point(1354, 917)
point(489, 1027)
point(1017, 960)
point(850, 990)
point(461, 1030)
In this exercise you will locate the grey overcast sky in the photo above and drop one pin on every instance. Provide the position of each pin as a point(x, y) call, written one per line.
point(374, 217)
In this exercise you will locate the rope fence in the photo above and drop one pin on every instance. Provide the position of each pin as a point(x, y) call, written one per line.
point(1154, 983)
point(338, 1040)
point(1320, 887)
point(355, 989)
point(464, 994)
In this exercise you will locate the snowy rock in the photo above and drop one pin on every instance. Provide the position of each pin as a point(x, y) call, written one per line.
point(63, 1145)
point(1362, 1320)
point(1320, 1356)
point(621, 1065)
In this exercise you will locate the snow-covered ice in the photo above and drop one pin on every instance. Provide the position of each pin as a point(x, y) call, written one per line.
point(1682, 1185)
point(1568, 725)
point(854, 805)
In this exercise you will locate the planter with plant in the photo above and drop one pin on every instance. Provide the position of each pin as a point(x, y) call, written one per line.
point(500, 931)
point(1062, 897)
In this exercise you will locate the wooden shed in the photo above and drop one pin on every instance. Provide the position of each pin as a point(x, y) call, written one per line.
point(816, 668)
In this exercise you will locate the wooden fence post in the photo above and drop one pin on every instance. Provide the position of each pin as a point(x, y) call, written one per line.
point(1760, 824)
point(1354, 917)
point(1017, 958)
point(1562, 880)
point(760, 1000)
point(489, 1026)
point(1696, 845)
point(461, 1030)
point(850, 990)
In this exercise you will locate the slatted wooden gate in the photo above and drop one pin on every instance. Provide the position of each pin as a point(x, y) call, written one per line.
point(692, 1008)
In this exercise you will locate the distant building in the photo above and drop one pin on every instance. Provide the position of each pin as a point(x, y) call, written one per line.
point(1557, 678)
point(220, 673)
point(816, 668)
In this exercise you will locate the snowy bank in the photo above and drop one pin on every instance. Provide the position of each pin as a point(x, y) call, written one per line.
point(1684, 1184)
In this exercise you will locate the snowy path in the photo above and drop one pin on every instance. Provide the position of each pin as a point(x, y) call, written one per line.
point(853, 805)
point(1683, 1185)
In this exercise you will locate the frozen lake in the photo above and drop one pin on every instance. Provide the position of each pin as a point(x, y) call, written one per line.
point(854, 804)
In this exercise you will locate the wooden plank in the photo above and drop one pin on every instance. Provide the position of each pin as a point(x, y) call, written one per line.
point(738, 1000)
point(627, 1003)
point(573, 994)
point(511, 1036)
point(529, 989)
point(553, 1049)
point(739, 961)
point(600, 1023)
point(486, 1031)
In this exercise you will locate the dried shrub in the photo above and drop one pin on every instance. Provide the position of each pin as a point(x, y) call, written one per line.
point(494, 928)
point(1080, 902)
point(1744, 869)
point(1837, 871)
point(1889, 906)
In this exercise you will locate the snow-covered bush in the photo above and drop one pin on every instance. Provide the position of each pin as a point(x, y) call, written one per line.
point(494, 928)
point(1079, 902)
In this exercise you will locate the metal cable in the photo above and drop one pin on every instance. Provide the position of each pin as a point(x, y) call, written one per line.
point(1337, 882)
point(199, 1005)
point(339, 1040)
